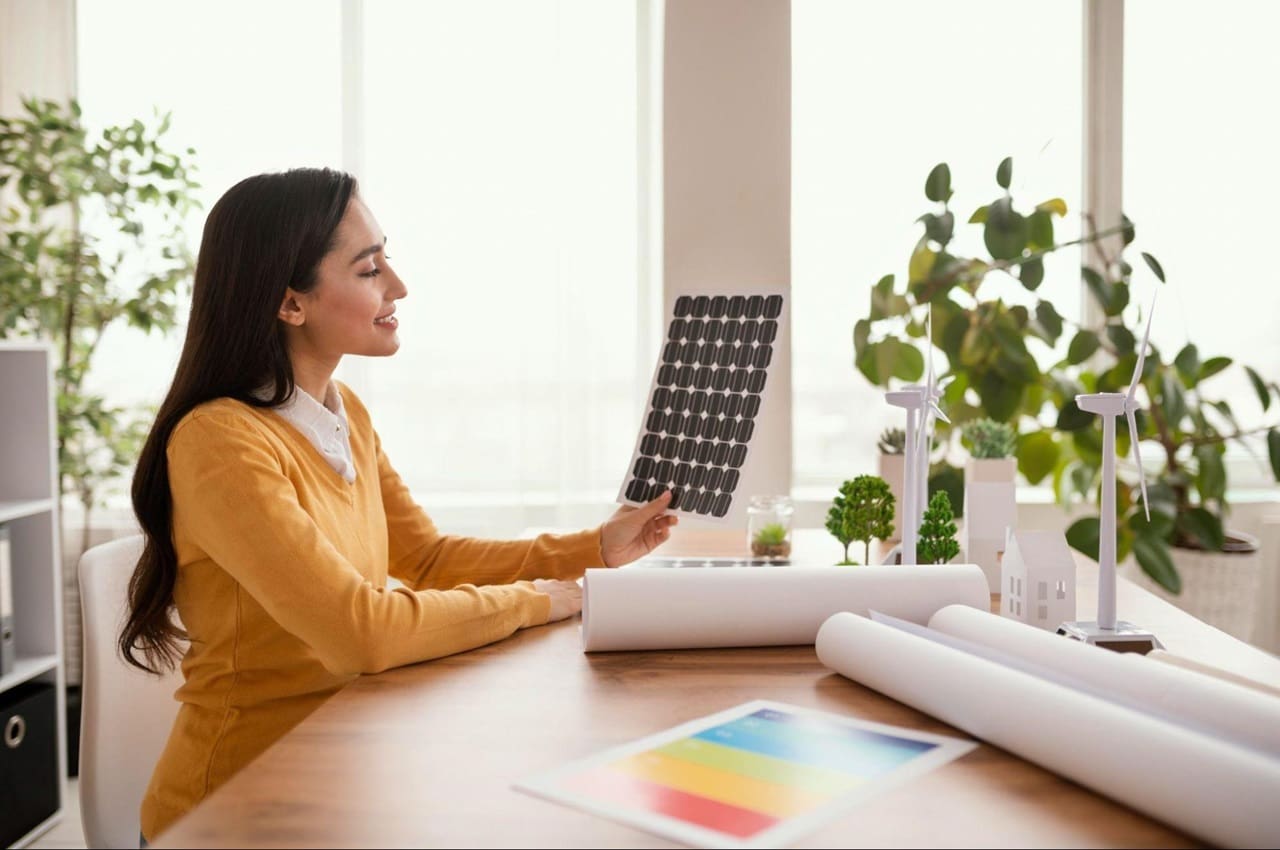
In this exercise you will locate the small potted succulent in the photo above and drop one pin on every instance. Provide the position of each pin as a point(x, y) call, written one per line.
point(937, 544)
point(772, 542)
point(892, 442)
point(863, 511)
point(990, 506)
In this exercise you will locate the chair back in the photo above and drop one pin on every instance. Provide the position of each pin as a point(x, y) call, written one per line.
point(126, 714)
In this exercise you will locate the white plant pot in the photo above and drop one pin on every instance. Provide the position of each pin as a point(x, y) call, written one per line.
point(1220, 588)
point(891, 468)
point(990, 510)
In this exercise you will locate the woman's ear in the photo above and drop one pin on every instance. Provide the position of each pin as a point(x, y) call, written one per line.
point(291, 310)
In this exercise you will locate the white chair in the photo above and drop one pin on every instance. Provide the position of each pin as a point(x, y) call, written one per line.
point(126, 713)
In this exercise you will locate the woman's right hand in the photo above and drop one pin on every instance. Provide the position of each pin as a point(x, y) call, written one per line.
point(566, 597)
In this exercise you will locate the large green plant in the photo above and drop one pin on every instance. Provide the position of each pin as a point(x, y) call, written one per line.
point(1024, 363)
point(92, 237)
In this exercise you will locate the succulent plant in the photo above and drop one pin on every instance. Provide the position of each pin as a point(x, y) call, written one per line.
point(893, 441)
point(989, 438)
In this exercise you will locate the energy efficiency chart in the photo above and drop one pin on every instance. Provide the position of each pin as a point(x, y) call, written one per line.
point(758, 775)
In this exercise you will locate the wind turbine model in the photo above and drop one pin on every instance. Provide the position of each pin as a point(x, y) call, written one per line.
point(924, 441)
point(921, 404)
point(1106, 631)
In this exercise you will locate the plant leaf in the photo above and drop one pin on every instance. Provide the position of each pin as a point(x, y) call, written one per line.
point(1072, 418)
point(1032, 274)
point(1188, 364)
point(1204, 526)
point(1155, 265)
point(1082, 346)
point(938, 185)
point(1153, 556)
point(1122, 338)
point(1212, 477)
point(1260, 387)
point(1057, 206)
point(1273, 449)
point(1005, 233)
point(1213, 366)
point(1037, 455)
point(1083, 536)
point(979, 216)
point(1004, 173)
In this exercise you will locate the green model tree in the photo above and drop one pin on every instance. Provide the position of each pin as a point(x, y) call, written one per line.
point(937, 543)
point(863, 510)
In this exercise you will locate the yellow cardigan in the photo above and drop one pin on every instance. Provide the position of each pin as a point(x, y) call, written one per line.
point(282, 573)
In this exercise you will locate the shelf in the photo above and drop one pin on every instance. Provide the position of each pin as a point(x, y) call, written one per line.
point(45, 825)
point(19, 508)
point(27, 668)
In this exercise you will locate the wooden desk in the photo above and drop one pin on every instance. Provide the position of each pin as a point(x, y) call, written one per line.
point(426, 755)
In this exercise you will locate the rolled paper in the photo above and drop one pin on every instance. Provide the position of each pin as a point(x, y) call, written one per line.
point(1215, 790)
point(643, 608)
point(1194, 700)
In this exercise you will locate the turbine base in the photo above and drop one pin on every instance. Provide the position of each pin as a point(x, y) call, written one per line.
point(1125, 637)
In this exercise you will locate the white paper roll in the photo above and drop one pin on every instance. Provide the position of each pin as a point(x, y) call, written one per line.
point(703, 607)
point(1208, 705)
point(1217, 791)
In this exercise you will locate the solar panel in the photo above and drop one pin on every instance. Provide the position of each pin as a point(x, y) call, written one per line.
point(706, 396)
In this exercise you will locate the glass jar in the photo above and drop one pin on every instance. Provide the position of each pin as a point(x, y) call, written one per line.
point(769, 528)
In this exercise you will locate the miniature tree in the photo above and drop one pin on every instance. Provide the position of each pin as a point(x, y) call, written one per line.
point(937, 544)
point(863, 510)
point(990, 439)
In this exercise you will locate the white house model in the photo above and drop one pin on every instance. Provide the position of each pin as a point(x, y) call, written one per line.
point(1038, 579)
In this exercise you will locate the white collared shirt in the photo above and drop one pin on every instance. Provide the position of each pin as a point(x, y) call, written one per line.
point(324, 425)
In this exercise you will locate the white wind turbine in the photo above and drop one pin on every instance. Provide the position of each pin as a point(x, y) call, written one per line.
point(924, 441)
point(921, 404)
point(1106, 630)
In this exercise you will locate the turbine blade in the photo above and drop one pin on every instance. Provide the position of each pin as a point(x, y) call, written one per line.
point(928, 343)
point(1137, 457)
point(1142, 354)
point(936, 411)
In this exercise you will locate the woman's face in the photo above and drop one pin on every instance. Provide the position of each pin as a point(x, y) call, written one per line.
point(349, 310)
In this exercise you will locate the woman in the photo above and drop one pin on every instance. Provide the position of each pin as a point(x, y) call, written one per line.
point(272, 516)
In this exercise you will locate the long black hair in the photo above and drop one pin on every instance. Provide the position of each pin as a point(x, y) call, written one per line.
point(266, 234)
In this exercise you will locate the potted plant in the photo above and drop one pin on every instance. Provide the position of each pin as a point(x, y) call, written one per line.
point(990, 505)
point(94, 238)
point(988, 340)
point(937, 544)
point(771, 542)
point(892, 444)
point(862, 510)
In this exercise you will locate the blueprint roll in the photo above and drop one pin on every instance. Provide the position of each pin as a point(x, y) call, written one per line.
point(1190, 699)
point(703, 607)
point(1217, 791)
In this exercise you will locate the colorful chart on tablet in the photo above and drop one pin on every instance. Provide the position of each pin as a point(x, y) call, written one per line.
point(757, 775)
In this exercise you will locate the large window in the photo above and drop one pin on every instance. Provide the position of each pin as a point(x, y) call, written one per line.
point(498, 147)
point(880, 93)
point(1200, 141)
point(248, 99)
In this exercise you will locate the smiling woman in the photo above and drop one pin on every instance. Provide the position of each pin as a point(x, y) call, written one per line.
point(273, 518)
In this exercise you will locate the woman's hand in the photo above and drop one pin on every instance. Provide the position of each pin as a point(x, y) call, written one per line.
point(635, 532)
point(566, 597)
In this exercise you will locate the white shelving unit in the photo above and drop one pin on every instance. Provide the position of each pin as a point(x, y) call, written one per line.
point(28, 507)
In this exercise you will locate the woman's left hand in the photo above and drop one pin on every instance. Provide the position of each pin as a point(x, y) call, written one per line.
point(635, 532)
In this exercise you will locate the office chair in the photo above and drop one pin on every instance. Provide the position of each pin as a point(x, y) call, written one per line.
point(126, 713)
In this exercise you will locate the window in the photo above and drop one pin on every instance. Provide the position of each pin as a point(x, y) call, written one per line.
point(1199, 179)
point(499, 142)
point(1060, 589)
point(1042, 612)
point(268, 106)
point(500, 149)
point(1042, 590)
point(881, 93)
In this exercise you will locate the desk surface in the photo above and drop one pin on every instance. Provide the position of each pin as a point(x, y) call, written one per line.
point(426, 755)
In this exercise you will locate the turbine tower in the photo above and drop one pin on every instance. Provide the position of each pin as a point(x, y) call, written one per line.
point(1106, 630)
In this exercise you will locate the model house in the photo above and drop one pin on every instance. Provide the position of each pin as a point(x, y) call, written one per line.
point(1038, 579)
